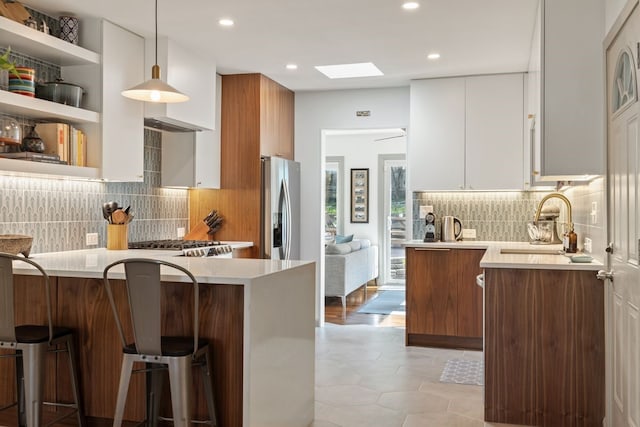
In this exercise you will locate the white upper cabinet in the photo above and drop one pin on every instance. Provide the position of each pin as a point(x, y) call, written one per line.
point(436, 134)
point(192, 159)
point(122, 118)
point(466, 133)
point(494, 132)
point(192, 74)
point(568, 134)
point(116, 146)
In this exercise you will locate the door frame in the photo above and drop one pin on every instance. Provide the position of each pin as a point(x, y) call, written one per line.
point(382, 158)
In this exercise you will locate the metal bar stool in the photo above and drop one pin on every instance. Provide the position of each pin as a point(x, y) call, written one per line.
point(177, 354)
point(31, 343)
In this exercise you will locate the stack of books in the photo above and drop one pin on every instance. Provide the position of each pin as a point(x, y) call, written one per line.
point(35, 157)
point(64, 141)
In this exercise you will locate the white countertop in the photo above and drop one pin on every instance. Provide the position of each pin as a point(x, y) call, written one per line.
point(494, 259)
point(91, 263)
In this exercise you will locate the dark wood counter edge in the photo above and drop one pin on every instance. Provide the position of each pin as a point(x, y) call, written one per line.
point(444, 341)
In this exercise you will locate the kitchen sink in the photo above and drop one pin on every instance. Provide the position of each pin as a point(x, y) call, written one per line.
point(532, 251)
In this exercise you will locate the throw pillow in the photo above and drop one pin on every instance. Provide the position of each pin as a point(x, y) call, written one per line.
point(343, 239)
point(337, 249)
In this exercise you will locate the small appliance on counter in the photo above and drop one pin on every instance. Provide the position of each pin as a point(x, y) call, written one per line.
point(430, 227)
point(449, 232)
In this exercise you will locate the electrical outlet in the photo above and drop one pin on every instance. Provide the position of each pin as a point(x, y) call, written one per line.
point(180, 232)
point(588, 245)
point(594, 213)
point(91, 239)
point(468, 233)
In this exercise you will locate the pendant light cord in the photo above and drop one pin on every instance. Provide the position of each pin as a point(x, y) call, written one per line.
point(156, 32)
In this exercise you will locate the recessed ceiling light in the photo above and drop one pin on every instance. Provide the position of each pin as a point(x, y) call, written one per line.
point(346, 71)
point(410, 5)
point(226, 22)
point(433, 55)
point(292, 67)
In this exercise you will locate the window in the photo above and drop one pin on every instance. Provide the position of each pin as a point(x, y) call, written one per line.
point(333, 197)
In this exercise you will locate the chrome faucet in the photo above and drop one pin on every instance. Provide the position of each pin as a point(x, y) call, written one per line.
point(556, 196)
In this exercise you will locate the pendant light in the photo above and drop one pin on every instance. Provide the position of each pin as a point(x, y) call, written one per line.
point(155, 90)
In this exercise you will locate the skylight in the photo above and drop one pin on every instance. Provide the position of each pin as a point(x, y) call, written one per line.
point(347, 71)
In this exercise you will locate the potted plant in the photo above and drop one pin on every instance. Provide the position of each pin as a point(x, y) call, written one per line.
point(6, 67)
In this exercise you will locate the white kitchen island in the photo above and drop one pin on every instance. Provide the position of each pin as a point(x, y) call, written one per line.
point(257, 314)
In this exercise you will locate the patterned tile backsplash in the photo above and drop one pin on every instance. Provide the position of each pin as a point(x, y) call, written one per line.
point(59, 213)
point(496, 216)
point(502, 216)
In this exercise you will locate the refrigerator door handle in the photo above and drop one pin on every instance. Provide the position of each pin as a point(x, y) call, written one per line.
point(288, 221)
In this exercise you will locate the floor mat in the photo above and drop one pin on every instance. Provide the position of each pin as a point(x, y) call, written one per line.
point(385, 302)
point(463, 371)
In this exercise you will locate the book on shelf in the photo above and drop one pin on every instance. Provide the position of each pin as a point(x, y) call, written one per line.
point(30, 155)
point(56, 138)
point(66, 141)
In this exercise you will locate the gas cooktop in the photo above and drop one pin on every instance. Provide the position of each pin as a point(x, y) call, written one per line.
point(173, 244)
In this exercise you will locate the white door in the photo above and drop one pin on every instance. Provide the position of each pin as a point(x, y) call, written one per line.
point(623, 292)
point(393, 270)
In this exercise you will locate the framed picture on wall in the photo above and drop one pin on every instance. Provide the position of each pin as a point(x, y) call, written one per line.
point(360, 195)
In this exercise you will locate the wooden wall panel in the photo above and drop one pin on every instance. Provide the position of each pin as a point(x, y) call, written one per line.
point(83, 305)
point(256, 113)
point(544, 347)
point(469, 293)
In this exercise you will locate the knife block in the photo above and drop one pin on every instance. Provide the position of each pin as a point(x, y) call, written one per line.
point(199, 232)
point(117, 236)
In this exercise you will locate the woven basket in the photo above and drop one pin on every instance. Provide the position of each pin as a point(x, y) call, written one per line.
point(15, 244)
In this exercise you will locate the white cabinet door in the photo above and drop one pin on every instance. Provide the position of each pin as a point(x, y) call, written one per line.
point(572, 97)
point(494, 126)
point(436, 134)
point(122, 118)
point(192, 159)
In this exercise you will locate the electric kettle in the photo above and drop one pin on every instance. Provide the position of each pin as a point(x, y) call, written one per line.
point(449, 232)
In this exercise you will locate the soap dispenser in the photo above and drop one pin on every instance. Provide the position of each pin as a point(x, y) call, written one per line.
point(570, 241)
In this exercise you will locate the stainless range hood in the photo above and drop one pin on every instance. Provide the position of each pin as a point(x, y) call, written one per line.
point(167, 125)
point(192, 75)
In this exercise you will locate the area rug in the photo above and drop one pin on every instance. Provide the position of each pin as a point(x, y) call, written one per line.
point(463, 371)
point(385, 302)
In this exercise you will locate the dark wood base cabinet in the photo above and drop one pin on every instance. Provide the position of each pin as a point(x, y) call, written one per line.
point(544, 347)
point(444, 304)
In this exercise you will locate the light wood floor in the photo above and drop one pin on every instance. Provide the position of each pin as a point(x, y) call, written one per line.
point(334, 313)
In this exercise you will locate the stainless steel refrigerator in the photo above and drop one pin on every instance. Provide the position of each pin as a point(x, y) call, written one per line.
point(280, 203)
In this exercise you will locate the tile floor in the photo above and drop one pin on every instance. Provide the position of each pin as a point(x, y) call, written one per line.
point(367, 377)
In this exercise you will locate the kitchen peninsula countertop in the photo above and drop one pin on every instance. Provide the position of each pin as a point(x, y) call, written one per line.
point(494, 259)
point(90, 263)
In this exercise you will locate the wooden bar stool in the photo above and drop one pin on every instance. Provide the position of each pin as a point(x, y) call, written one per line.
point(149, 346)
point(30, 344)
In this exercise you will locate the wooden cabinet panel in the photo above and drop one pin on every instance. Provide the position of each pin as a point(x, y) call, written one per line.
point(257, 119)
point(431, 300)
point(469, 293)
point(276, 119)
point(83, 306)
point(544, 347)
point(444, 304)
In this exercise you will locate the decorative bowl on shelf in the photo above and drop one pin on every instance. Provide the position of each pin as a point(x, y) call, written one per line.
point(15, 244)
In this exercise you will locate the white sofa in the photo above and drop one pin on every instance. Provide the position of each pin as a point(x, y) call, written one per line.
point(347, 266)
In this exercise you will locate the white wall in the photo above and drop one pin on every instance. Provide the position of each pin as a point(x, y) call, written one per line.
point(318, 111)
point(361, 151)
